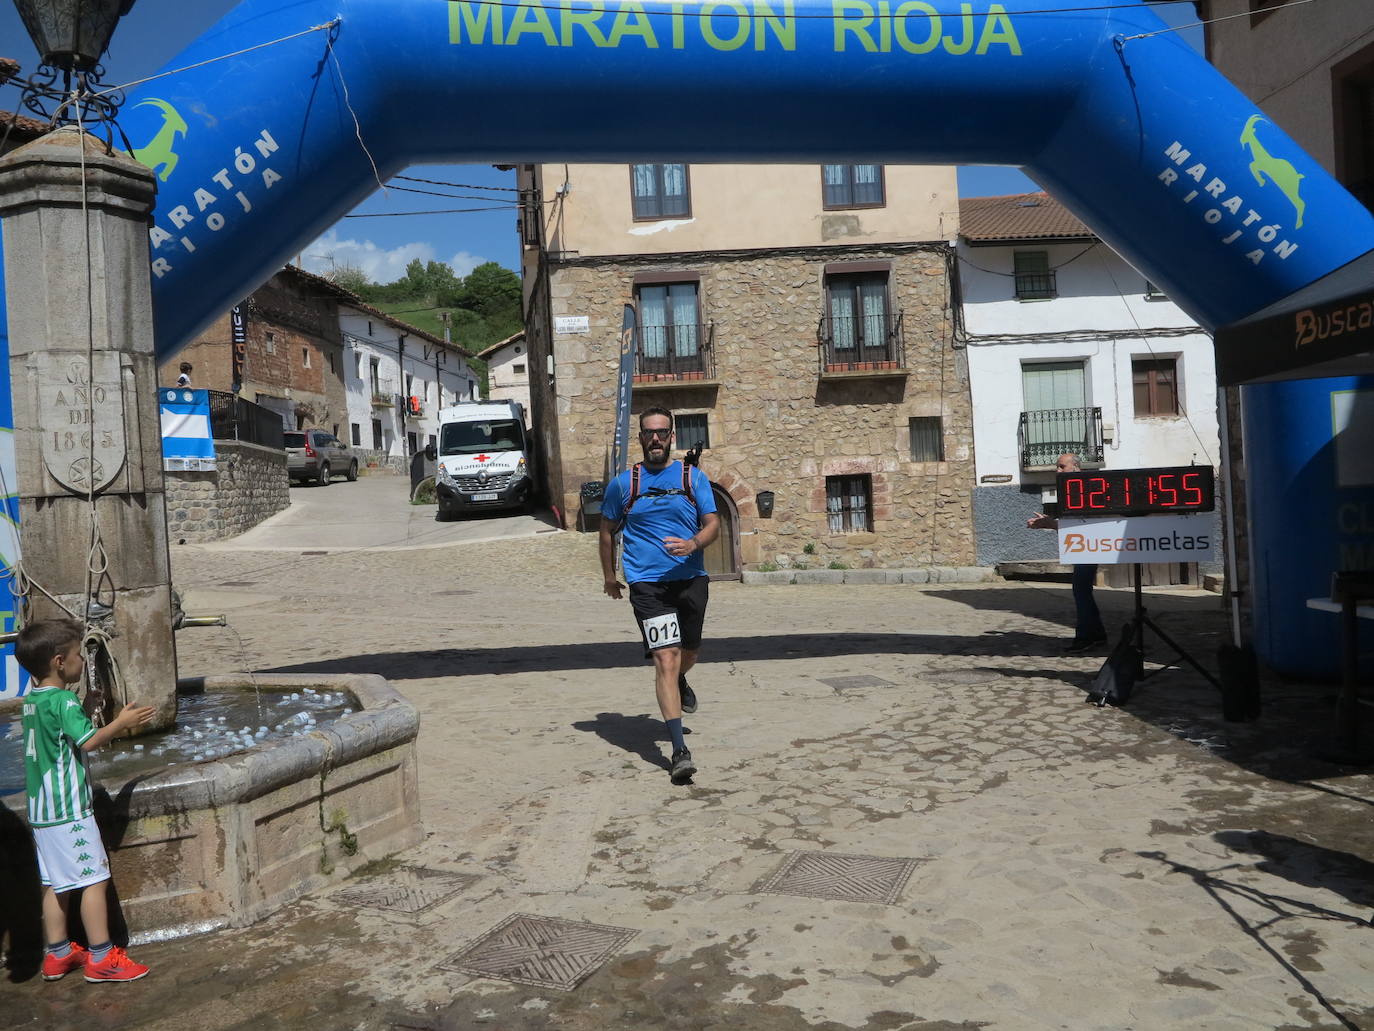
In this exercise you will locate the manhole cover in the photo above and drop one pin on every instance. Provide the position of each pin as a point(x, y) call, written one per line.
point(238, 583)
point(967, 676)
point(825, 875)
point(410, 890)
point(451, 594)
point(542, 952)
point(850, 683)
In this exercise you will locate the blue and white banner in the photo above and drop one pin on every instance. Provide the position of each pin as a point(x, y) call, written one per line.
point(187, 442)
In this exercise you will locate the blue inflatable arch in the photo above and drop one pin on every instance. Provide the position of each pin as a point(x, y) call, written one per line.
point(1118, 117)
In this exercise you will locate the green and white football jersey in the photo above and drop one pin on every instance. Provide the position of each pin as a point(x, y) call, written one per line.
point(55, 727)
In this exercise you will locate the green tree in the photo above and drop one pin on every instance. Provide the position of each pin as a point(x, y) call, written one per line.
point(493, 292)
point(350, 277)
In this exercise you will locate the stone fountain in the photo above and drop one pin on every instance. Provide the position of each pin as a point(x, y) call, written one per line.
point(206, 842)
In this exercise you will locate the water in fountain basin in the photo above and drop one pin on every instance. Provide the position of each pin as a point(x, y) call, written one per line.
point(209, 726)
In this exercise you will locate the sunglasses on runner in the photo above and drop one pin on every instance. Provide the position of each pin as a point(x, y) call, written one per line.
point(665, 434)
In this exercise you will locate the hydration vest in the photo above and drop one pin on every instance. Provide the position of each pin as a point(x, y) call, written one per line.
point(635, 495)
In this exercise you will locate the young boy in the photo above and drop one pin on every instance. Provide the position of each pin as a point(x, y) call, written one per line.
point(71, 857)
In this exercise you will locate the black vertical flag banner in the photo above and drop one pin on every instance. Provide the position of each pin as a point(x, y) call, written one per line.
point(238, 337)
point(620, 451)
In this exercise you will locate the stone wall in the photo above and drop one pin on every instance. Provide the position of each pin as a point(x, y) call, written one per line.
point(775, 422)
point(371, 460)
point(249, 484)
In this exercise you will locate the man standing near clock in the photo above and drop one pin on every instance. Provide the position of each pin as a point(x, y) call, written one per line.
point(1088, 628)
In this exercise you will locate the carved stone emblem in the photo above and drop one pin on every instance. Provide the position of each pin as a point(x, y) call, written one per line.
point(82, 415)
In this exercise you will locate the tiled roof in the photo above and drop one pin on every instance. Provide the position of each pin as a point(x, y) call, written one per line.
point(348, 297)
point(21, 128)
point(1021, 216)
point(500, 344)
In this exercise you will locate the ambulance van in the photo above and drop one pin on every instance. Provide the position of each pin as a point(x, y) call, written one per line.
point(484, 461)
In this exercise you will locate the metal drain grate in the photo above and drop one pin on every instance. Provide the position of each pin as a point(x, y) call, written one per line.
point(826, 875)
point(410, 890)
point(450, 594)
point(850, 683)
point(542, 952)
point(238, 583)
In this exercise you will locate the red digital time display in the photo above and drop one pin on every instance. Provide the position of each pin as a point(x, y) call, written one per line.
point(1132, 492)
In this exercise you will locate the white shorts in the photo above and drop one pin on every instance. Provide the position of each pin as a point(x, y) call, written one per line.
point(71, 855)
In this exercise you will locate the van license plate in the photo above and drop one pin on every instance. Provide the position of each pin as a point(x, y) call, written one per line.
point(490, 496)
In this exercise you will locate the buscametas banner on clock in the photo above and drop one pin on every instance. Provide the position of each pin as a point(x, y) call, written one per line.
point(1114, 542)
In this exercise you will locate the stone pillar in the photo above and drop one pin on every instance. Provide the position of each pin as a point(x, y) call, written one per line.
point(83, 381)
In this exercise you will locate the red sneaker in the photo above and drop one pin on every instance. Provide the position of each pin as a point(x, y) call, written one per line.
point(55, 968)
point(116, 966)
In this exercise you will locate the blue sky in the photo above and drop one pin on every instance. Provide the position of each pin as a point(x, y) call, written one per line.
point(155, 31)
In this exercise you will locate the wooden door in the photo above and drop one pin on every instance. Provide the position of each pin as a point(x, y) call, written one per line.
point(721, 556)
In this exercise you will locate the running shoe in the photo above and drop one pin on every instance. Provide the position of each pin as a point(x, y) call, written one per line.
point(683, 767)
point(55, 968)
point(688, 696)
point(116, 966)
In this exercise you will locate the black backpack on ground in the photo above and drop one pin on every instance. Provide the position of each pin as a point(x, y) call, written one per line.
point(1116, 679)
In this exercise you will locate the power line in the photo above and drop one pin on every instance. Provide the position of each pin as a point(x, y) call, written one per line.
point(461, 186)
point(445, 211)
point(452, 196)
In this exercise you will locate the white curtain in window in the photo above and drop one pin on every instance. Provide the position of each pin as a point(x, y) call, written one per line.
point(867, 185)
point(682, 298)
point(842, 317)
point(674, 181)
point(875, 314)
point(653, 321)
point(834, 508)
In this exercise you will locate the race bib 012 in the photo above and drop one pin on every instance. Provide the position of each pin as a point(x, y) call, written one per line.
point(662, 631)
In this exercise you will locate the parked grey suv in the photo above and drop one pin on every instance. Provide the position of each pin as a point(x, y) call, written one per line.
point(316, 455)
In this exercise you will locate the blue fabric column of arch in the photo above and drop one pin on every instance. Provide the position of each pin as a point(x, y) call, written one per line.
point(1140, 137)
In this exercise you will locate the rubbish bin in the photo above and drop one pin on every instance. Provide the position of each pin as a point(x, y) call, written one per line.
point(589, 518)
point(421, 466)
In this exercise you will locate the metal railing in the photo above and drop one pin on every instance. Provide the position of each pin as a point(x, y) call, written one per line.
point(235, 418)
point(677, 352)
point(1046, 434)
point(859, 343)
point(1036, 286)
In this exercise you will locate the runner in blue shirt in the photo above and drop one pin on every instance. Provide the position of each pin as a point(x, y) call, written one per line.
point(667, 515)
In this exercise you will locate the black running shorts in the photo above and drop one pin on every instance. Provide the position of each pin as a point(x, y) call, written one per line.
point(671, 612)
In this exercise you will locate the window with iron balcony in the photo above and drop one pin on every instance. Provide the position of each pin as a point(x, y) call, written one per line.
point(1035, 280)
point(859, 331)
point(674, 343)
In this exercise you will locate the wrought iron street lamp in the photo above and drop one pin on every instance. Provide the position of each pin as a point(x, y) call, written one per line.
point(72, 34)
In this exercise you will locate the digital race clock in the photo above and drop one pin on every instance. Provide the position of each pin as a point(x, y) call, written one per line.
point(1136, 492)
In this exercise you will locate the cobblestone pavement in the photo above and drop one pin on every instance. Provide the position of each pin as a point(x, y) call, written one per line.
point(1038, 863)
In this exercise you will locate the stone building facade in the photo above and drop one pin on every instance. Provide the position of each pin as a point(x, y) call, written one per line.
point(781, 409)
point(248, 484)
point(292, 361)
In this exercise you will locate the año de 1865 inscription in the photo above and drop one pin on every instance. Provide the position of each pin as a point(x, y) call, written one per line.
point(82, 415)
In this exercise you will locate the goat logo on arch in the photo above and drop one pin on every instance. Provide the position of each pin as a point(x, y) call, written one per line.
point(1279, 171)
point(159, 153)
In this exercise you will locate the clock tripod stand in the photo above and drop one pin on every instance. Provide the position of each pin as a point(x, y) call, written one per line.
point(1140, 620)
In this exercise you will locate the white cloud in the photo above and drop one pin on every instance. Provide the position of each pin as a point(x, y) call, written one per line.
point(381, 266)
point(465, 261)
